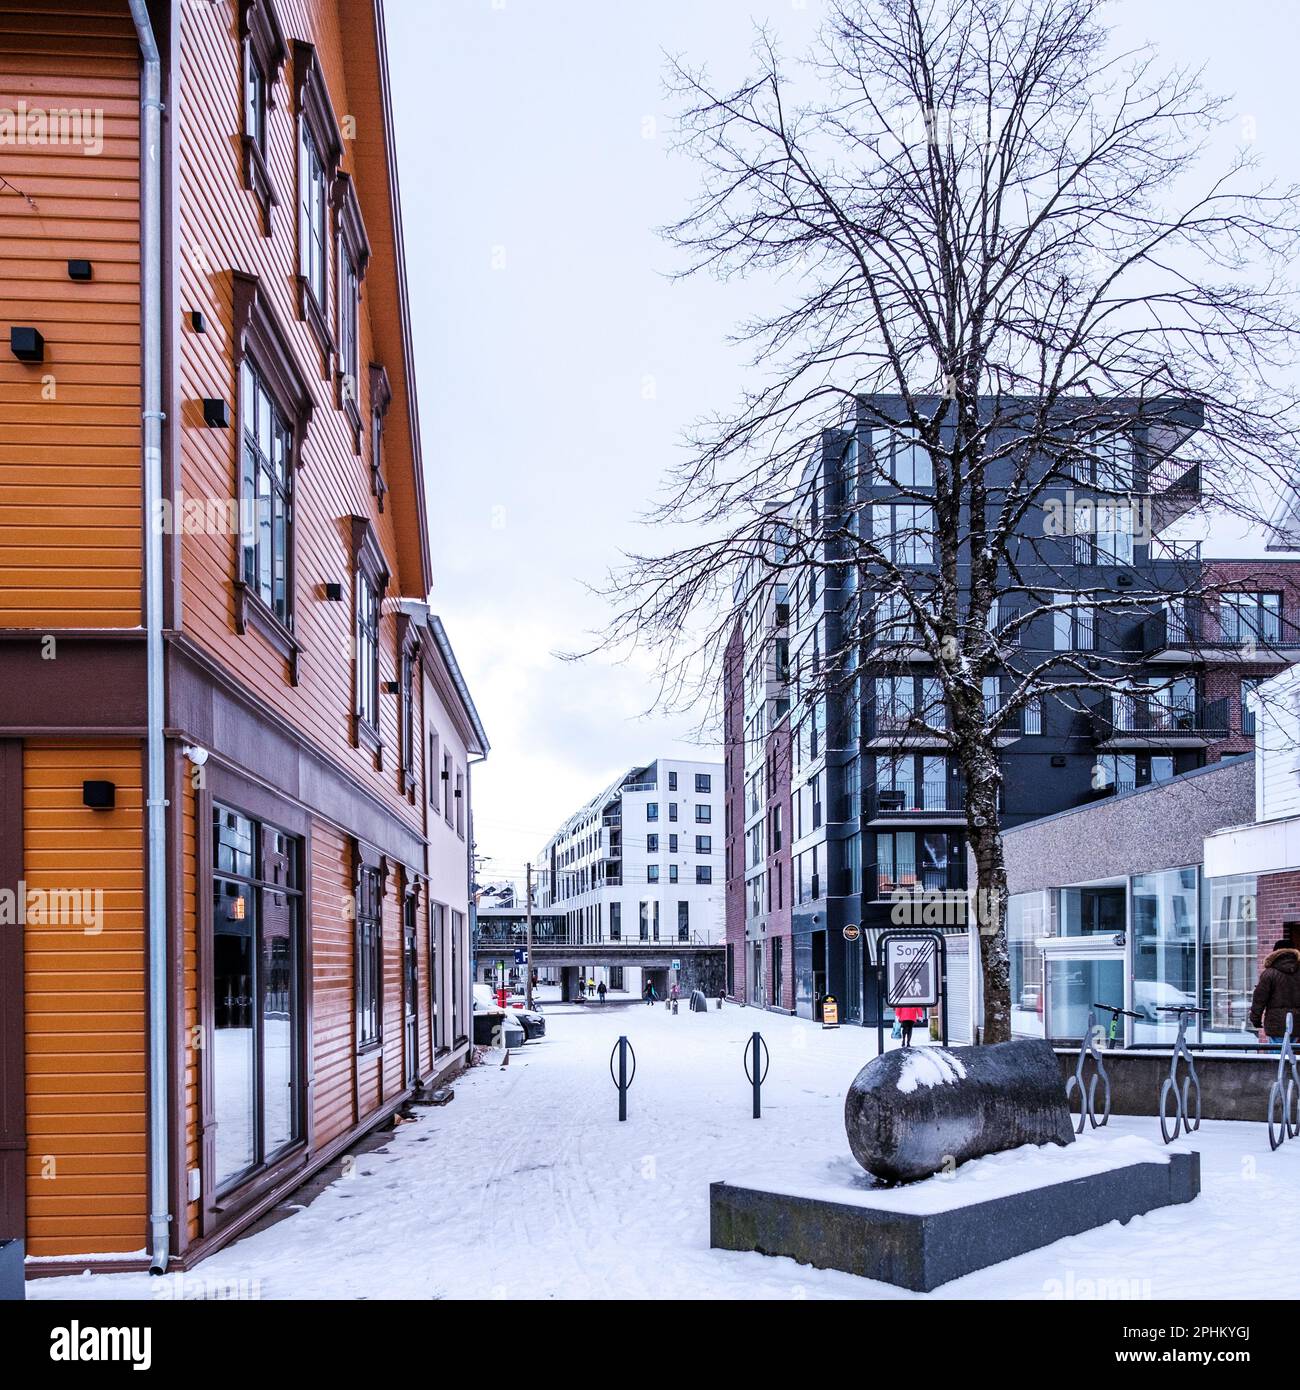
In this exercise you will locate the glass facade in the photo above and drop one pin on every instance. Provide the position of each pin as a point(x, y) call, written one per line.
point(1156, 941)
point(1026, 922)
point(1165, 926)
point(1229, 959)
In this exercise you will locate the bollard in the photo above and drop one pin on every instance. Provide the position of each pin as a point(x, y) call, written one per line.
point(622, 1080)
point(756, 1053)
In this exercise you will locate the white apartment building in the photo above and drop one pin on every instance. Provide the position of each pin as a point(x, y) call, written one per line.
point(642, 862)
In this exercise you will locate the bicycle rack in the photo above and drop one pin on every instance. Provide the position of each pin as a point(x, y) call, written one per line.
point(752, 1073)
point(623, 1081)
point(1087, 1085)
point(1287, 1090)
point(1182, 1119)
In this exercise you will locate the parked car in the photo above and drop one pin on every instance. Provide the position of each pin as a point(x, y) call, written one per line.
point(534, 1024)
point(494, 1025)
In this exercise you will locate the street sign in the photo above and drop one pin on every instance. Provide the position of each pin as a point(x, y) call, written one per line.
point(912, 971)
point(521, 957)
point(851, 932)
point(677, 965)
point(830, 1012)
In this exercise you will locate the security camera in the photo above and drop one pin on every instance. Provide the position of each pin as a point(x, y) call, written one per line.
point(198, 756)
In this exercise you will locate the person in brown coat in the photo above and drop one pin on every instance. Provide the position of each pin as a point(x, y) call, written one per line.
point(1278, 991)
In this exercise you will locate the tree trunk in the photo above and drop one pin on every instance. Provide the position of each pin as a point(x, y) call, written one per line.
point(991, 907)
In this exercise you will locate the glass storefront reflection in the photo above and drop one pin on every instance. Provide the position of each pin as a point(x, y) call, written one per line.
point(1073, 985)
point(1165, 920)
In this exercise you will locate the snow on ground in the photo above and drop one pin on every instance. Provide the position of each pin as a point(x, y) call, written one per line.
point(526, 1186)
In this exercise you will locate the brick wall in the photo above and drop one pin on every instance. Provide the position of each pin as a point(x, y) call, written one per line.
point(1277, 902)
point(1223, 679)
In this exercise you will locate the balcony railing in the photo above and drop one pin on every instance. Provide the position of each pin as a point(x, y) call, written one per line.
point(1146, 719)
point(1166, 632)
point(884, 880)
point(917, 799)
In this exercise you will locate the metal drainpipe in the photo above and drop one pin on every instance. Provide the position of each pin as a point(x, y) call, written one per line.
point(152, 422)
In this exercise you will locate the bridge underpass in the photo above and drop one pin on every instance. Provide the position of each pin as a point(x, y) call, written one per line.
point(697, 965)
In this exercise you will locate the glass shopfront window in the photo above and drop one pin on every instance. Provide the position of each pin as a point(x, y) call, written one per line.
point(1164, 951)
point(1026, 922)
point(256, 1003)
point(1074, 985)
point(1229, 959)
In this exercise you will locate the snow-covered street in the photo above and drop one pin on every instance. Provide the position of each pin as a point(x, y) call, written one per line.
point(527, 1186)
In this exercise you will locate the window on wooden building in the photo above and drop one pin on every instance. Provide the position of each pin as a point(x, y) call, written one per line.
point(353, 257)
point(274, 408)
point(266, 511)
point(381, 396)
point(256, 999)
point(262, 54)
point(408, 649)
point(369, 965)
point(369, 581)
point(320, 148)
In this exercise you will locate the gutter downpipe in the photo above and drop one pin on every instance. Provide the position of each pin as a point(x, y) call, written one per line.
point(152, 422)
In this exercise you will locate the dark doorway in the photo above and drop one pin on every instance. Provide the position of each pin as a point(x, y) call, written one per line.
point(818, 971)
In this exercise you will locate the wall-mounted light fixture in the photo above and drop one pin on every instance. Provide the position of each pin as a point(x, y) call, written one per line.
point(392, 688)
point(99, 796)
point(197, 322)
point(333, 591)
point(80, 270)
point(216, 413)
point(27, 345)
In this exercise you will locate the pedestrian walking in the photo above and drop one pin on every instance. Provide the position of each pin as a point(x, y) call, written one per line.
point(908, 1017)
point(600, 990)
point(1278, 991)
point(649, 991)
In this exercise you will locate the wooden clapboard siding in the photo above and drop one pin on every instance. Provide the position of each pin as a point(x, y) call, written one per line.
point(221, 231)
point(85, 1002)
point(332, 966)
point(70, 494)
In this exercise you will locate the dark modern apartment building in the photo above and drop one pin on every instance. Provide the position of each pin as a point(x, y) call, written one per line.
point(839, 808)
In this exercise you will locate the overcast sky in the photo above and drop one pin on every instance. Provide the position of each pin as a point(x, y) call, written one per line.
point(558, 365)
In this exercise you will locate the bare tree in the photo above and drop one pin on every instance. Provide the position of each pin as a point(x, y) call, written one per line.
point(1004, 287)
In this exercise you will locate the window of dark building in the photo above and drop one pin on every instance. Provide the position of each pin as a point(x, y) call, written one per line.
point(257, 997)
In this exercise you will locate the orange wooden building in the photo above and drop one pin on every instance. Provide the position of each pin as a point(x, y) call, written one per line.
point(235, 747)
